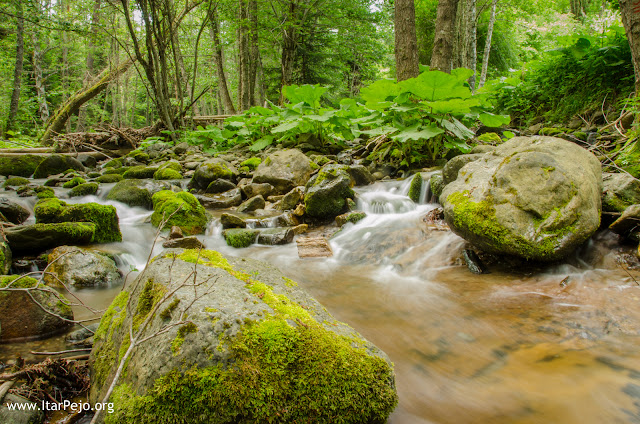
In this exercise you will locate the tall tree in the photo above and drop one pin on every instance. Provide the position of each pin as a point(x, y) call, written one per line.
point(487, 45)
point(631, 21)
point(223, 90)
point(406, 43)
point(17, 70)
point(466, 29)
point(579, 8)
point(244, 84)
point(442, 56)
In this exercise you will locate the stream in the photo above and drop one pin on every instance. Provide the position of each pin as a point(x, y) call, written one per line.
point(552, 344)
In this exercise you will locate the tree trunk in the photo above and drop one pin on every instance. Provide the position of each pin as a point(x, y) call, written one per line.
point(41, 93)
point(631, 21)
point(17, 70)
point(406, 43)
point(223, 90)
point(474, 45)
point(73, 103)
point(290, 35)
point(579, 8)
point(442, 56)
point(487, 45)
point(243, 56)
point(254, 53)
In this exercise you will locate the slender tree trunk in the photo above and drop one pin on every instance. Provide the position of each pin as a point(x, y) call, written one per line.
point(474, 45)
point(17, 70)
point(442, 56)
point(41, 93)
point(223, 90)
point(579, 8)
point(631, 21)
point(260, 82)
point(253, 50)
point(406, 43)
point(243, 56)
point(90, 61)
point(290, 35)
point(487, 45)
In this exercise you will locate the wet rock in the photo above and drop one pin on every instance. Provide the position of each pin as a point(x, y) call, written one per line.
point(436, 183)
point(240, 237)
point(109, 178)
point(361, 175)
point(232, 221)
point(136, 192)
point(255, 203)
point(415, 188)
point(88, 161)
point(38, 237)
point(300, 210)
point(254, 189)
point(313, 247)
point(167, 174)
point(27, 413)
point(628, 224)
point(140, 172)
point(275, 236)
point(104, 217)
point(220, 186)
point(14, 212)
point(184, 243)
point(20, 166)
point(287, 219)
point(180, 209)
point(211, 170)
point(327, 192)
point(85, 189)
point(284, 170)
point(352, 217)
point(451, 169)
point(619, 191)
point(75, 181)
point(175, 233)
point(473, 262)
point(291, 199)
point(6, 257)
point(300, 229)
point(250, 327)
point(15, 182)
point(22, 318)
point(378, 175)
point(536, 198)
point(224, 200)
point(82, 333)
point(71, 265)
point(56, 164)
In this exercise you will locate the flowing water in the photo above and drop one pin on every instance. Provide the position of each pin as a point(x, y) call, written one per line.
point(554, 344)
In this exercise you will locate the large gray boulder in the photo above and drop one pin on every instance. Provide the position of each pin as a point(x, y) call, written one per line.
point(285, 170)
point(236, 342)
point(328, 191)
point(70, 265)
point(211, 170)
point(537, 198)
point(13, 211)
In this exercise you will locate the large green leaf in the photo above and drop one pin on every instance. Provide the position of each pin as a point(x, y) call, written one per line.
point(436, 85)
point(457, 128)
point(386, 129)
point(452, 106)
point(286, 126)
point(491, 120)
point(417, 132)
point(261, 144)
point(309, 94)
point(379, 91)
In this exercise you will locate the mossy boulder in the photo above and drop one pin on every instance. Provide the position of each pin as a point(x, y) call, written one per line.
point(14, 212)
point(113, 163)
point(56, 164)
point(255, 346)
point(136, 192)
point(537, 198)
point(139, 156)
point(327, 192)
point(140, 172)
point(180, 209)
point(619, 191)
point(450, 170)
point(352, 217)
point(20, 166)
point(75, 181)
point(74, 266)
point(167, 174)
point(415, 188)
point(22, 318)
point(44, 192)
point(104, 217)
point(210, 171)
point(29, 239)
point(436, 184)
point(240, 237)
point(6, 257)
point(252, 204)
point(284, 170)
point(16, 182)
point(115, 171)
point(85, 189)
point(109, 178)
point(251, 163)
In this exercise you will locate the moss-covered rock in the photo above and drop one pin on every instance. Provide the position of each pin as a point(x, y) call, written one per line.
point(328, 191)
point(139, 156)
point(30, 239)
point(75, 181)
point(537, 198)
point(114, 163)
point(57, 164)
point(240, 237)
point(210, 171)
point(140, 172)
point(6, 257)
point(415, 188)
point(115, 171)
point(15, 182)
point(44, 192)
point(21, 166)
point(22, 318)
point(352, 217)
point(136, 192)
point(109, 178)
point(436, 184)
point(104, 217)
point(255, 345)
point(167, 174)
point(84, 190)
point(180, 209)
point(619, 191)
point(251, 163)
point(489, 138)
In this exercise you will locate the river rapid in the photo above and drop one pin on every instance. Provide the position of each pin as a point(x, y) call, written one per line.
point(526, 344)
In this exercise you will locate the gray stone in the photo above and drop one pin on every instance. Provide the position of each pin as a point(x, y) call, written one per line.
point(275, 236)
point(619, 191)
point(231, 221)
point(255, 203)
point(284, 170)
point(291, 199)
point(328, 191)
point(210, 171)
point(30, 239)
point(451, 169)
point(15, 416)
point(13, 211)
point(629, 221)
point(220, 186)
point(254, 189)
point(537, 198)
point(361, 175)
point(224, 200)
point(191, 242)
point(74, 266)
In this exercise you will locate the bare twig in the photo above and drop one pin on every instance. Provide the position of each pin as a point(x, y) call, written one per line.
point(62, 352)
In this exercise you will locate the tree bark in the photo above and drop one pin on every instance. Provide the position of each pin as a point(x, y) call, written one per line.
point(487, 45)
point(223, 90)
point(254, 53)
point(631, 20)
point(406, 43)
point(73, 103)
point(17, 70)
point(579, 8)
point(290, 35)
point(243, 56)
point(442, 56)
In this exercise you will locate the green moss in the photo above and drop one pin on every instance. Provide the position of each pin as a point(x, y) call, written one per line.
point(415, 188)
point(111, 320)
point(84, 190)
point(139, 156)
point(166, 313)
point(114, 163)
point(181, 209)
point(252, 163)
point(44, 192)
point(489, 138)
point(109, 178)
point(289, 282)
point(21, 166)
point(167, 174)
point(151, 294)
point(17, 281)
point(140, 172)
point(74, 182)
point(16, 182)
point(187, 328)
point(580, 135)
point(554, 131)
point(114, 171)
point(240, 237)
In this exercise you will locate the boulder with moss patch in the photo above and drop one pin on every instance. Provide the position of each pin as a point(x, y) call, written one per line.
point(255, 344)
point(6, 257)
point(284, 170)
point(85, 189)
point(109, 178)
point(14, 212)
point(29, 239)
point(75, 181)
point(16, 182)
point(56, 164)
point(180, 209)
point(619, 191)
point(240, 237)
point(74, 266)
point(22, 318)
point(210, 171)
point(140, 172)
point(327, 192)
point(136, 192)
point(104, 217)
point(20, 166)
point(537, 198)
